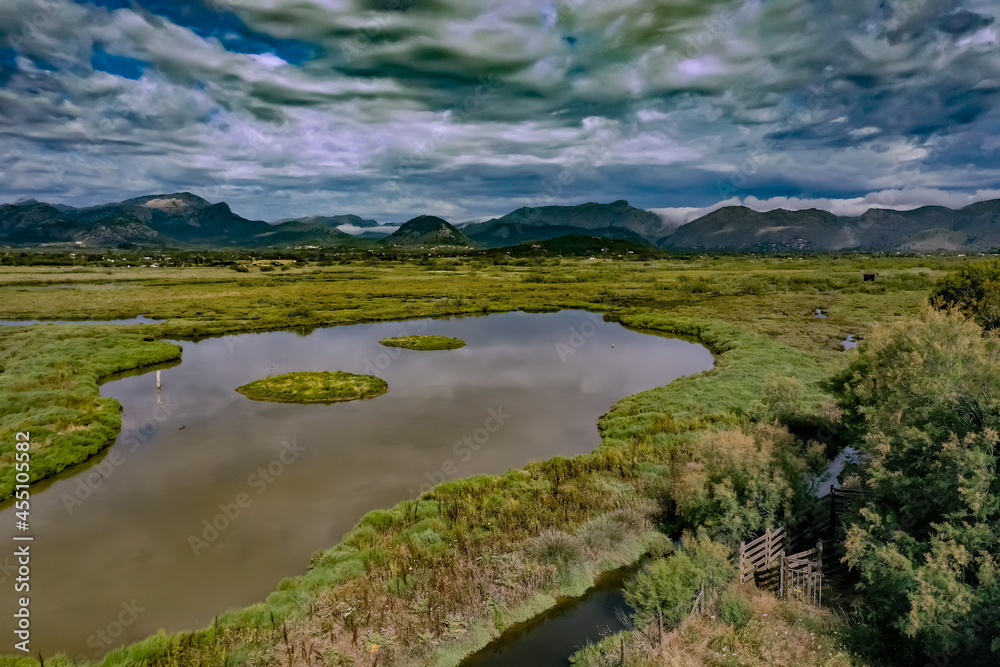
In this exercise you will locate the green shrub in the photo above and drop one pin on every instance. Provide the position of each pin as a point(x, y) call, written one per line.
point(973, 289)
point(753, 286)
point(671, 584)
point(737, 484)
point(734, 608)
point(698, 285)
point(668, 584)
point(659, 545)
point(300, 312)
point(781, 399)
point(922, 399)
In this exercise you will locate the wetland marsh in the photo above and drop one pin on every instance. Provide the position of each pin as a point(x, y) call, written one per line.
point(208, 499)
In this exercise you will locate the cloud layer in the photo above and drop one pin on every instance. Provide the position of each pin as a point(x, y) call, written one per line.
point(468, 108)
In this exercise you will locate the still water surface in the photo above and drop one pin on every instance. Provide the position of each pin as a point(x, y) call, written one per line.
point(117, 539)
point(552, 637)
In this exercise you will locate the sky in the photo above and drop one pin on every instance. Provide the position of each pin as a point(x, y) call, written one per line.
point(469, 109)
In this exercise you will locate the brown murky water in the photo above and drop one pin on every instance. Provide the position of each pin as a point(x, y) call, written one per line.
point(208, 499)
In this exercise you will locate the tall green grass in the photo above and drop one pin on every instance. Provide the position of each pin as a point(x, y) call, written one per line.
point(720, 396)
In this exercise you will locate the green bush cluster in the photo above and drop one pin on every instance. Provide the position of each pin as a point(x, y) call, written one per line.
point(737, 484)
point(669, 586)
point(734, 608)
point(973, 289)
point(922, 399)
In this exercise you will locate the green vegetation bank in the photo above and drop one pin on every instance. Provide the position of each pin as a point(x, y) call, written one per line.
point(433, 578)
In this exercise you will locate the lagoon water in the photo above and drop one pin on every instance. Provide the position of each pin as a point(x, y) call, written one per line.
point(125, 544)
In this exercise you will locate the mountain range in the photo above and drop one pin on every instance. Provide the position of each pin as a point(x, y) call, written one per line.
point(974, 228)
point(617, 220)
point(180, 220)
point(184, 220)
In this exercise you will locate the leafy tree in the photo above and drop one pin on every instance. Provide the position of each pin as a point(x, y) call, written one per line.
point(923, 401)
point(973, 289)
point(738, 484)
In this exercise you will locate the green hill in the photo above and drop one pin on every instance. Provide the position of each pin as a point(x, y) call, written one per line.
point(427, 230)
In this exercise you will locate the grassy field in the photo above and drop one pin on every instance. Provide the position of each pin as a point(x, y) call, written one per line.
point(314, 387)
point(433, 578)
point(423, 342)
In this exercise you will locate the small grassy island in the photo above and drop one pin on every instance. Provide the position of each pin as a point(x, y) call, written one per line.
point(424, 342)
point(318, 387)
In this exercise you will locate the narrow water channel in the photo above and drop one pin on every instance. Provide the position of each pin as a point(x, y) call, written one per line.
point(548, 640)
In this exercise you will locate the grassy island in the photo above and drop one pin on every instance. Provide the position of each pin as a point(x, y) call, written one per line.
point(424, 342)
point(319, 387)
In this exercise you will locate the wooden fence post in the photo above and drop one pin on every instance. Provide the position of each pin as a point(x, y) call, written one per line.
point(833, 513)
point(781, 575)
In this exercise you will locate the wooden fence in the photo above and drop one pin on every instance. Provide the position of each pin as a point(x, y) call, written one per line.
point(799, 575)
point(761, 553)
point(766, 560)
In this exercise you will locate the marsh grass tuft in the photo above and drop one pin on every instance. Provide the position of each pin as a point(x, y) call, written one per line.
point(423, 342)
point(314, 387)
point(558, 548)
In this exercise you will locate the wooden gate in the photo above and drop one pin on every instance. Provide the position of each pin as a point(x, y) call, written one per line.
point(761, 553)
point(798, 576)
point(801, 576)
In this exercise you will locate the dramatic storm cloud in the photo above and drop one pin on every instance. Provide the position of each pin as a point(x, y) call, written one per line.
point(469, 108)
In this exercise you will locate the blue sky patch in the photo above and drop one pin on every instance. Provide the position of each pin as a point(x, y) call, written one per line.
point(130, 68)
